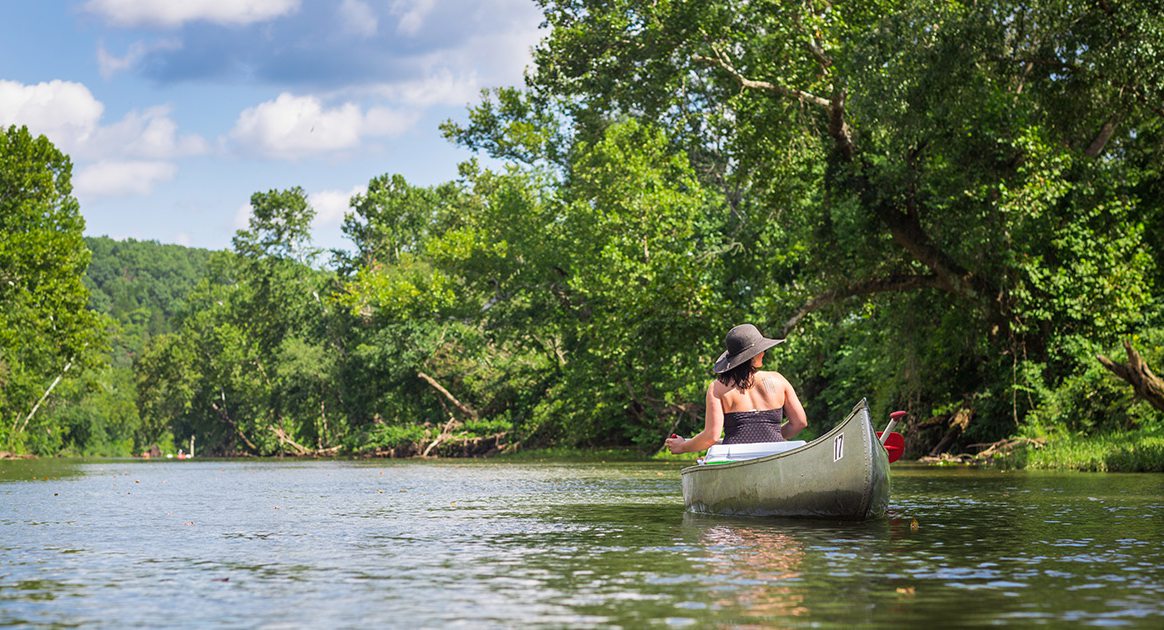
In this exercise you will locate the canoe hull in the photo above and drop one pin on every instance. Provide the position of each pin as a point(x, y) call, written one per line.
point(843, 474)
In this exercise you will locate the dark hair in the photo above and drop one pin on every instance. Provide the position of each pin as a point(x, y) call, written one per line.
point(739, 377)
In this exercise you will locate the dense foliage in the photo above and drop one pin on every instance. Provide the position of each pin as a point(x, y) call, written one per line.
point(948, 207)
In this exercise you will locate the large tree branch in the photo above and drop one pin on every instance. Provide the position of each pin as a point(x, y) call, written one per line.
point(906, 230)
point(286, 439)
point(838, 128)
point(1136, 372)
point(1101, 138)
point(904, 227)
point(721, 61)
point(867, 287)
point(465, 409)
point(834, 107)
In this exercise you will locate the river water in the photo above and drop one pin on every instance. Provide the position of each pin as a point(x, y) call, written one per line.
point(480, 544)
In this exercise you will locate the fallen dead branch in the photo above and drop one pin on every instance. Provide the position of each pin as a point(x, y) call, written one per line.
point(40, 402)
point(446, 432)
point(452, 446)
point(1136, 372)
point(956, 425)
point(299, 449)
point(1006, 446)
point(988, 451)
point(947, 458)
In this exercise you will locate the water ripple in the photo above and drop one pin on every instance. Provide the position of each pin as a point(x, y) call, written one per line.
point(482, 544)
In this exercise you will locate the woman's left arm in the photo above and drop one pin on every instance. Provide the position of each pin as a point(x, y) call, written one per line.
point(712, 427)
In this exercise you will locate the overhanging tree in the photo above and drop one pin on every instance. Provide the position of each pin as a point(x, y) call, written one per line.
point(963, 169)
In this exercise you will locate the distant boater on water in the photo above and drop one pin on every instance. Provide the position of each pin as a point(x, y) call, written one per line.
point(746, 404)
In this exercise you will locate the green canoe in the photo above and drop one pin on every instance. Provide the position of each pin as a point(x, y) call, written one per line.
point(843, 474)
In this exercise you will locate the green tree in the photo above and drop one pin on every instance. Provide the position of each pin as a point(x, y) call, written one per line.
point(46, 332)
point(636, 230)
point(250, 366)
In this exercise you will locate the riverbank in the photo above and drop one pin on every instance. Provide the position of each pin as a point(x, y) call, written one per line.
point(1131, 451)
point(1128, 451)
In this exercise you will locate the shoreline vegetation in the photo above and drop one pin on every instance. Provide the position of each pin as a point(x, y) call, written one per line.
point(1141, 451)
point(944, 212)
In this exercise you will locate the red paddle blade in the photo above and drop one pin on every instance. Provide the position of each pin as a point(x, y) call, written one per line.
point(894, 445)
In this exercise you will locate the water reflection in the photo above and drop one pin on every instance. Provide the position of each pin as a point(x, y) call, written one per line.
point(47, 469)
point(762, 563)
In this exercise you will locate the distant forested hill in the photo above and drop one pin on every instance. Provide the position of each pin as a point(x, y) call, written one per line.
point(142, 285)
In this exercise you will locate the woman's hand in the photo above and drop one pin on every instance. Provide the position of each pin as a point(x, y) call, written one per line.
point(675, 443)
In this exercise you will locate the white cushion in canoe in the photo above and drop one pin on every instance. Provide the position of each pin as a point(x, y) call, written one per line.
point(736, 452)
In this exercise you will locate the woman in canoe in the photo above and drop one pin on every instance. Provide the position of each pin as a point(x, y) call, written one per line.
point(746, 404)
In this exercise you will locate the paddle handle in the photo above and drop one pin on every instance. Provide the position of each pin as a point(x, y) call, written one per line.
point(893, 418)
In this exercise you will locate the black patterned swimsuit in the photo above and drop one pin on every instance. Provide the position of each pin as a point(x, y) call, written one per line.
point(746, 427)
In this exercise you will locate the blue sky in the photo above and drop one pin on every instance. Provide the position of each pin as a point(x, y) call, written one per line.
point(176, 111)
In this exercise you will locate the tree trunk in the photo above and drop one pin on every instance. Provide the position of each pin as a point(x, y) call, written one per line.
point(957, 425)
point(1136, 372)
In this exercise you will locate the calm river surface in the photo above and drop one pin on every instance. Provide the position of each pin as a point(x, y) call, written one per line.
point(472, 544)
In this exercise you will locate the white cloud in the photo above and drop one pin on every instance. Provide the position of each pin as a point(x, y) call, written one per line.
point(128, 157)
point(382, 121)
point(242, 216)
point(291, 126)
point(358, 18)
point(149, 134)
point(439, 88)
point(412, 14)
point(65, 112)
point(500, 57)
point(121, 179)
point(454, 75)
point(183, 238)
point(70, 116)
point(109, 64)
point(331, 205)
point(173, 13)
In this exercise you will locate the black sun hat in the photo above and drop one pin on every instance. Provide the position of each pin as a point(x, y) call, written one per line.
point(743, 342)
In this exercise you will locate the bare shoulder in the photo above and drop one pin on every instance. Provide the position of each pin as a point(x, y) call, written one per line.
point(772, 380)
point(715, 388)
